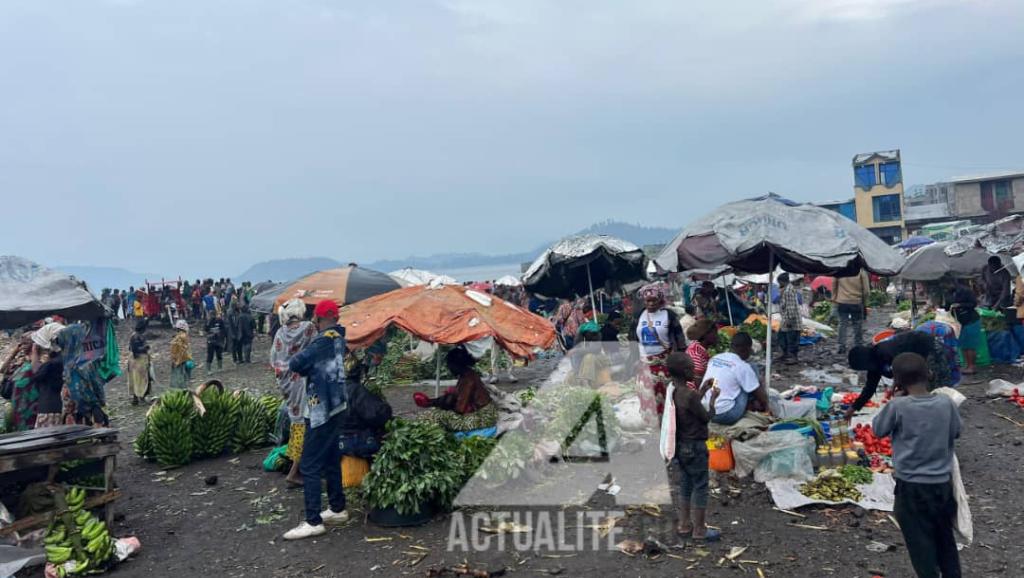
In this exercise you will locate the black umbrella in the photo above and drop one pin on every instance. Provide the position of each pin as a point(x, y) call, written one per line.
point(575, 265)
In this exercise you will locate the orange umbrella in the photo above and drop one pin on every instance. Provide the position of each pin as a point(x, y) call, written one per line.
point(448, 315)
point(344, 285)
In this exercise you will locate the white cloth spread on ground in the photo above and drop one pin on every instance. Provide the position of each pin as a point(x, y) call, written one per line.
point(878, 495)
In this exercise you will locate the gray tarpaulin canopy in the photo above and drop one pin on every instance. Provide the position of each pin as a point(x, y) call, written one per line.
point(575, 265)
point(263, 302)
point(801, 238)
point(29, 292)
point(933, 262)
point(758, 234)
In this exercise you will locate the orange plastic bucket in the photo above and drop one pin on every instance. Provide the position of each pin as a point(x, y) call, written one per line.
point(720, 454)
point(883, 335)
point(353, 470)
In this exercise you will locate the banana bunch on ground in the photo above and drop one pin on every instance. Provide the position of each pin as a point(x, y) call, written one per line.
point(170, 428)
point(831, 486)
point(183, 426)
point(212, 431)
point(254, 421)
point(78, 542)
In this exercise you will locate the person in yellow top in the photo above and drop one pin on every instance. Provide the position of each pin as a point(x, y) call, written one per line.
point(850, 295)
point(137, 311)
point(181, 356)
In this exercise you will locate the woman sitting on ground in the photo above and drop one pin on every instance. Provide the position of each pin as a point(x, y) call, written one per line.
point(465, 407)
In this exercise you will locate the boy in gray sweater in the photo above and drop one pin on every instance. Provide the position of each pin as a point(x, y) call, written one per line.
point(924, 427)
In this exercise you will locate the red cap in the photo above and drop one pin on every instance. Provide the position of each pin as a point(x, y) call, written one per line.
point(326, 308)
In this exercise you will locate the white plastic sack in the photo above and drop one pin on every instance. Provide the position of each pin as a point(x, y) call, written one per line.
point(964, 521)
point(667, 445)
point(878, 495)
point(749, 454)
point(629, 415)
point(1001, 388)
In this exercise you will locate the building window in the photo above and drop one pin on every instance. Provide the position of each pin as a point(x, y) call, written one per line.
point(890, 173)
point(886, 208)
point(864, 176)
point(997, 197)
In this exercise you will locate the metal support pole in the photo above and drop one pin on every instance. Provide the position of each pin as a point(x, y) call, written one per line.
point(768, 353)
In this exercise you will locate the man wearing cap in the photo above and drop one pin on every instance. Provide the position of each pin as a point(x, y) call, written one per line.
point(322, 362)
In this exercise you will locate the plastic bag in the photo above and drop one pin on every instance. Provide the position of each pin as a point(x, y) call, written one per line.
point(630, 416)
point(964, 522)
point(790, 463)
point(1001, 387)
point(667, 445)
point(749, 454)
point(1002, 347)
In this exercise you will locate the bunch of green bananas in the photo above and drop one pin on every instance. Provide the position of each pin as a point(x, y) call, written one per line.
point(79, 537)
point(170, 428)
point(252, 429)
point(831, 486)
point(212, 431)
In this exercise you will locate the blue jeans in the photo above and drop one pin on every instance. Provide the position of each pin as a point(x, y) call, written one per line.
point(789, 342)
point(692, 456)
point(321, 458)
point(735, 413)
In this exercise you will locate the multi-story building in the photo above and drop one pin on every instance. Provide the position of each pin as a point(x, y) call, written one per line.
point(878, 194)
point(846, 208)
point(987, 198)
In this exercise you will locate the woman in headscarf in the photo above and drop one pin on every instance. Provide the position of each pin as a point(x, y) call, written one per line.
point(139, 376)
point(658, 333)
point(465, 407)
point(47, 374)
point(20, 383)
point(293, 336)
point(181, 356)
point(702, 335)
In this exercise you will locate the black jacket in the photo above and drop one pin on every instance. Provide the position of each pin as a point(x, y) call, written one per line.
point(366, 411)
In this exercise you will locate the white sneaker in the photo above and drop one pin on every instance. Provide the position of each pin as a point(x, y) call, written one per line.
point(492, 379)
point(512, 379)
point(332, 518)
point(305, 530)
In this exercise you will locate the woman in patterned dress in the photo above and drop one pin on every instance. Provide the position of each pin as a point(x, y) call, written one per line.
point(293, 336)
point(658, 333)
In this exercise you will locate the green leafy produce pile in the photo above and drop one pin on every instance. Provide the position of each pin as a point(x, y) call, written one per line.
point(856, 474)
point(822, 312)
point(574, 411)
point(877, 298)
point(399, 366)
point(993, 324)
point(756, 330)
point(418, 463)
point(722, 346)
point(904, 305)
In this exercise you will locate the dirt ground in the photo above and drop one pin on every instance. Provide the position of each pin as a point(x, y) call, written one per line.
point(234, 528)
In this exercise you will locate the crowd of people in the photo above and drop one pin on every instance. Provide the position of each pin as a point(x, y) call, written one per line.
point(670, 329)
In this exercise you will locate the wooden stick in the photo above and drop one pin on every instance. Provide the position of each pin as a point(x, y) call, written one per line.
point(790, 513)
point(1009, 419)
point(44, 518)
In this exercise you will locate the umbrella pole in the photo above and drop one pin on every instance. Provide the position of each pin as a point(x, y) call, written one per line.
point(727, 304)
point(768, 347)
point(913, 303)
point(437, 375)
point(590, 283)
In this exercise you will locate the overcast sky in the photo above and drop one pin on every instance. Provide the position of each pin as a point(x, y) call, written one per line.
point(200, 136)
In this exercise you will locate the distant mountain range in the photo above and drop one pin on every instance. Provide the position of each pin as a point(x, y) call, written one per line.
point(285, 269)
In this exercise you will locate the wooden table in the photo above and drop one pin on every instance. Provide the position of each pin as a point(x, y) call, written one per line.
point(51, 446)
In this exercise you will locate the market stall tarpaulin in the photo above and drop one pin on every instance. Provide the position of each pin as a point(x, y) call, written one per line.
point(30, 292)
point(936, 261)
point(448, 315)
point(576, 265)
point(343, 285)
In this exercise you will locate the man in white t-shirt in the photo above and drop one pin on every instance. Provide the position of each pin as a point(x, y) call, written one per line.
point(736, 380)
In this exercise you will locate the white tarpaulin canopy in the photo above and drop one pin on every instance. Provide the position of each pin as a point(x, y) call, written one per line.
point(29, 292)
point(420, 277)
point(508, 281)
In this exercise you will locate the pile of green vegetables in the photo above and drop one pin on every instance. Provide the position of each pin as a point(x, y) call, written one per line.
point(420, 463)
point(577, 415)
point(756, 330)
point(857, 475)
point(722, 346)
point(877, 298)
point(822, 312)
point(831, 486)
